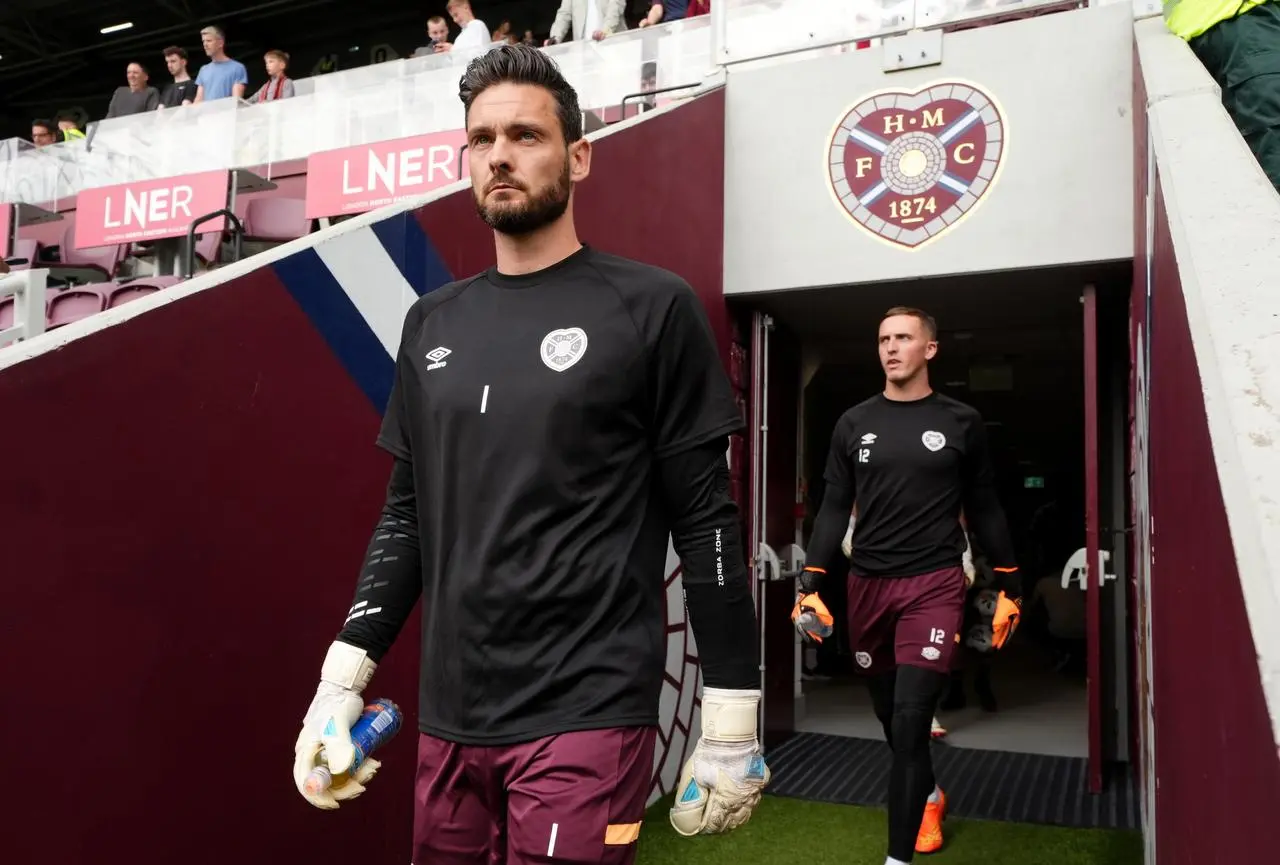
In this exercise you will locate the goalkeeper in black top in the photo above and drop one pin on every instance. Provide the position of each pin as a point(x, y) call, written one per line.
point(911, 459)
point(554, 421)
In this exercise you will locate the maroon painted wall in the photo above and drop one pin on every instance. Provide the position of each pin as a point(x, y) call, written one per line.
point(186, 500)
point(1216, 756)
point(1137, 344)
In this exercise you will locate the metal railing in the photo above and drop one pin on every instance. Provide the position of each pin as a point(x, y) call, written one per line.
point(234, 226)
point(24, 291)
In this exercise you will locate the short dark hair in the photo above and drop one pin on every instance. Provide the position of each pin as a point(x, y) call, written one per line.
point(930, 326)
point(174, 50)
point(523, 64)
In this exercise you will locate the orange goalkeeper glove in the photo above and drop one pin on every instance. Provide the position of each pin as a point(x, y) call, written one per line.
point(1008, 613)
point(810, 615)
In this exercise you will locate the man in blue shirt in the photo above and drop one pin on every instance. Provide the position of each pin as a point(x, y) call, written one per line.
point(221, 76)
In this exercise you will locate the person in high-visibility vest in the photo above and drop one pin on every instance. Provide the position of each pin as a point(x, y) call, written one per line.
point(69, 125)
point(1238, 41)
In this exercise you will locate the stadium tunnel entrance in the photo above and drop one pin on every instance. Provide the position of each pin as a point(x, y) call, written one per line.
point(1021, 347)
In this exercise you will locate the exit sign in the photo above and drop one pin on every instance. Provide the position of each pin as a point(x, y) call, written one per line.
point(1033, 483)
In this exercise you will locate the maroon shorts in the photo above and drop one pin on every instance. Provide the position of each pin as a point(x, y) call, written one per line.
point(572, 798)
point(908, 621)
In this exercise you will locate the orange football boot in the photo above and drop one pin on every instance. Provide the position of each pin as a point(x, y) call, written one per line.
point(930, 838)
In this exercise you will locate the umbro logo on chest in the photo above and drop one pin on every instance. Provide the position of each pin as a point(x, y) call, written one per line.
point(435, 357)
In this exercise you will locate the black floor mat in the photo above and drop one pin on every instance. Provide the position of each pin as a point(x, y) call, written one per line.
point(983, 785)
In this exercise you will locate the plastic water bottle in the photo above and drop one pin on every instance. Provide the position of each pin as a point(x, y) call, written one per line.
point(376, 726)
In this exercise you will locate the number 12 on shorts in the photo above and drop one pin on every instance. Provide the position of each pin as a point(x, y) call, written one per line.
point(938, 636)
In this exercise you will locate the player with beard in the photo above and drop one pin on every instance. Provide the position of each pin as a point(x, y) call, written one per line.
point(554, 419)
point(912, 459)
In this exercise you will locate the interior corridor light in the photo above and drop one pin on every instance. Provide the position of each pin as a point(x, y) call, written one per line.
point(116, 28)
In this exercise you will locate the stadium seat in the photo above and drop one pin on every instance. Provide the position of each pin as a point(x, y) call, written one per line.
point(125, 293)
point(208, 247)
point(276, 219)
point(27, 249)
point(74, 304)
point(121, 293)
point(104, 259)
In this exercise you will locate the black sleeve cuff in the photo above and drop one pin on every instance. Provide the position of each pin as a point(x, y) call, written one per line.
point(828, 531)
point(717, 588)
point(390, 582)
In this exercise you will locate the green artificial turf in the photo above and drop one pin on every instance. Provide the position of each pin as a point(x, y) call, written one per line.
point(796, 832)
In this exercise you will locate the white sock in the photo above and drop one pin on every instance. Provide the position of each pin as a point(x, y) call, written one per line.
point(892, 861)
point(935, 795)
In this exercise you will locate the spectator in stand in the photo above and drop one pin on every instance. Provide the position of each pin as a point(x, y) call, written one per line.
point(1239, 45)
point(44, 133)
point(474, 33)
point(278, 85)
point(437, 33)
point(588, 19)
point(698, 7)
point(69, 124)
point(664, 11)
point(221, 76)
point(181, 90)
point(136, 97)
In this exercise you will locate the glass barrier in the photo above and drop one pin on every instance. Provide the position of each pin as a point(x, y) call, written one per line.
point(759, 29)
point(124, 150)
point(24, 173)
point(756, 29)
point(933, 13)
point(419, 95)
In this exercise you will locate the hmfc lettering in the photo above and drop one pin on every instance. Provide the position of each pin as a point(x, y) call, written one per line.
point(928, 120)
point(148, 207)
point(401, 171)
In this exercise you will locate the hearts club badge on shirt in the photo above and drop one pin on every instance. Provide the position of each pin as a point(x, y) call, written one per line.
point(561, 349)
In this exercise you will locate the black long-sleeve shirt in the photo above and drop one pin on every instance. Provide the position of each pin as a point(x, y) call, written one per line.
point(912, 467)
point(705, 534)
point(560, 427)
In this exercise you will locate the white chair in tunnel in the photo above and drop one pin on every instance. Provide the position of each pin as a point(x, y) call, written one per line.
point(1074, 570)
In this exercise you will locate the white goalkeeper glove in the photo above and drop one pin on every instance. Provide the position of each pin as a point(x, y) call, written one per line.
point(722, 782)
point(326, 729)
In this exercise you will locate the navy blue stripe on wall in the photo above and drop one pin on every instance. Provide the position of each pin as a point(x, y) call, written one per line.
point(333, 314)
point(412, 251)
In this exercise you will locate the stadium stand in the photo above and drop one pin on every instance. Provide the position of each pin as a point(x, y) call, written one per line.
point(96, 225)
